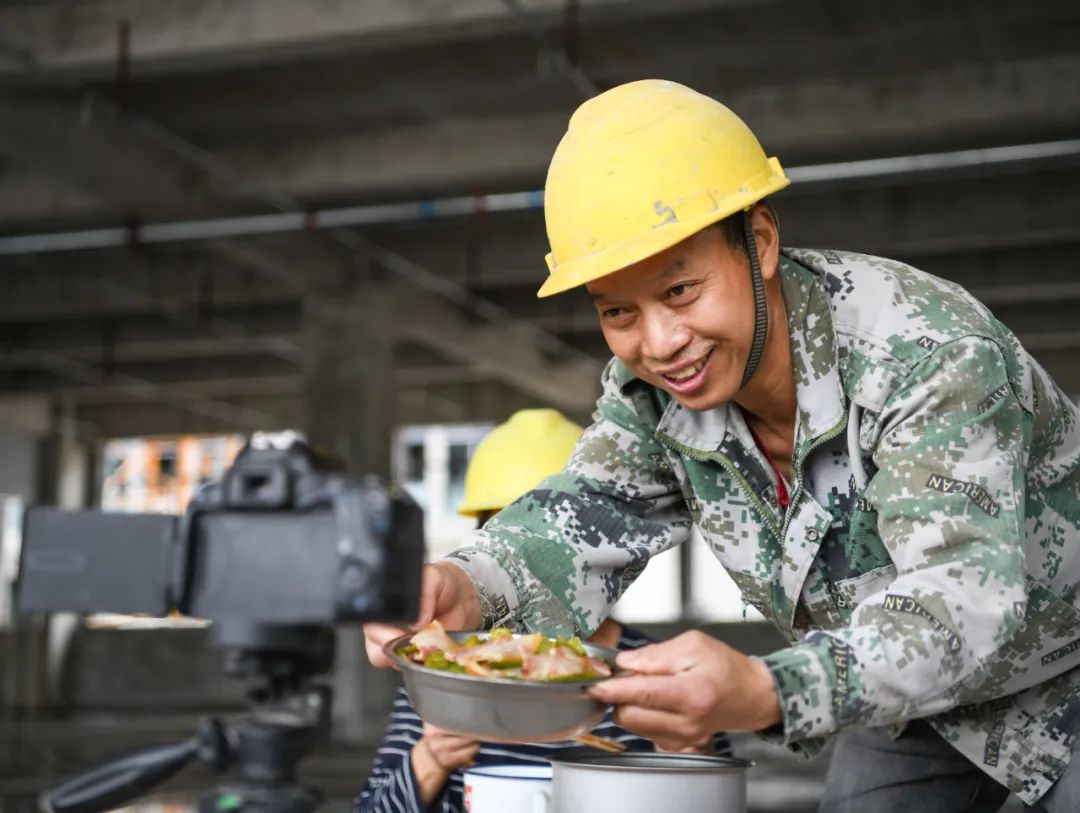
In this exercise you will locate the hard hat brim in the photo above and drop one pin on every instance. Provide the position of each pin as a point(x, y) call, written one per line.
point(585, 269)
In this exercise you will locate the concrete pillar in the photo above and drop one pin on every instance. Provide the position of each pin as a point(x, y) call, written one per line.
point(68, 489)
point(73, 458)
point(348, 372)
point(349, 387)
point(24, 421)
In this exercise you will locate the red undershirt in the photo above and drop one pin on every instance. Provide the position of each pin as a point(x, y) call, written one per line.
point(782, 498)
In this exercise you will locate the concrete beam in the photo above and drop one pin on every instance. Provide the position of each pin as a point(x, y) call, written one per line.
point(182, 349)
point(137, 347)
point(165, 372)
point(26, 413)
point(754, 48)
point(133, 341)
point(85, 141)
point(186, 283)
point(1016, 101)
point(82, 40)
point(484, 401)
point(28, 196)
point(236, 388)
point(322, 261)
point(164, 418)
point(983, 231)
point(411, 379)
point(870, 115)
point(508, 351)
point(569, 385)
point(464, 154)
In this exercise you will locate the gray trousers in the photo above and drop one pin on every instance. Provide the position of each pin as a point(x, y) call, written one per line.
point(922, 773)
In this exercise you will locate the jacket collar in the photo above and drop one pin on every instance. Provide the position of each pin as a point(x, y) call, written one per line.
point(819, 390)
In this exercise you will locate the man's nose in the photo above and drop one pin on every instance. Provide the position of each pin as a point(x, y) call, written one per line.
point(664, 335)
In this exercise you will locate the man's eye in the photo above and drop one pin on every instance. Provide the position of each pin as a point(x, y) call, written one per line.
point(612, 313)
point(680, 289)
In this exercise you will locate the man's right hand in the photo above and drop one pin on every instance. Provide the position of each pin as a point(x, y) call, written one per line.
point(447, 595)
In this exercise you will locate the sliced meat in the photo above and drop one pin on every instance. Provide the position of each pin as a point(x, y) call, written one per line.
point(505, 651)
point(433, 638)
point(559, 662)
point(600, 667)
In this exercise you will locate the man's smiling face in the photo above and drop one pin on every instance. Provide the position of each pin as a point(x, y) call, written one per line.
point(683, 319)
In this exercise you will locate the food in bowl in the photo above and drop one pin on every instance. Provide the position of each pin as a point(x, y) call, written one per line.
point(501, 654)
point(493, 707)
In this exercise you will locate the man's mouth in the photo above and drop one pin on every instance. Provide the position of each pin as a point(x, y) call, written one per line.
point(690, 377)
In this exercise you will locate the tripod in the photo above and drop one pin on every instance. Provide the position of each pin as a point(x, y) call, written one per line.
point(289, 716)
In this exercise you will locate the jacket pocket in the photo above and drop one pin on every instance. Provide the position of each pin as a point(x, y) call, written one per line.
point(851, 592)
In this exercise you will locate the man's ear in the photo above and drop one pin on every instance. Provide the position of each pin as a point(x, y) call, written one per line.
point(767, 238)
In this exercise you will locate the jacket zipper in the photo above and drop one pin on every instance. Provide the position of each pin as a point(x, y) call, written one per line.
point(714, 457)
point(796, 492)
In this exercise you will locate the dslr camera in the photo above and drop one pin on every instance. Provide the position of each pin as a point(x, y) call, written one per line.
point(275, 554)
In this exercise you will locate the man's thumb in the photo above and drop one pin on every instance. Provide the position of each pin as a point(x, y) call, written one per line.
point(430, 587)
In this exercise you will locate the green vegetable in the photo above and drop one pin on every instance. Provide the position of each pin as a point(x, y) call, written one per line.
point(574, 645)
point(569, 678)
point(509, 665)
point(437, 660)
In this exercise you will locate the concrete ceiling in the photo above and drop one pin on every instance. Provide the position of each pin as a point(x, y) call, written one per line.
point(115, 113)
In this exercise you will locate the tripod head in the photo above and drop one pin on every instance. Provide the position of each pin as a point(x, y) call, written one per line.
point(288, 718)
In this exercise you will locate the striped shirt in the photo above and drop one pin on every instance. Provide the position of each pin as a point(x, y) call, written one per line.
point(392, 786)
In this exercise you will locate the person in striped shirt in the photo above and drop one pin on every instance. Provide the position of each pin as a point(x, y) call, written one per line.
point(418, 767)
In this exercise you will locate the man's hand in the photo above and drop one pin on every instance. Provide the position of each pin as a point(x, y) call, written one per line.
point(447, 595)
point(687, 689)
point(436, 755)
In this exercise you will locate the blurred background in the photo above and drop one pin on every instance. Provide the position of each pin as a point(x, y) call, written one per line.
point(218, 216)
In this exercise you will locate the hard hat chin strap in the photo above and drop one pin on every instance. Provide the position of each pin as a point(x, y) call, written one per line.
point(761, 312)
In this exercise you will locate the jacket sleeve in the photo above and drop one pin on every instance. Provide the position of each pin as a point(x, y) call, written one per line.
point(391, 786)
point(556, 559)
point(949, 495)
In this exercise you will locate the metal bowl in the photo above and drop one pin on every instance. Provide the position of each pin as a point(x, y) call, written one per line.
point(500, 709)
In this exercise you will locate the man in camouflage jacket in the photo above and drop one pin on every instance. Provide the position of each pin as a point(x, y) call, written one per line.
point(926, 566)
point(891, 480)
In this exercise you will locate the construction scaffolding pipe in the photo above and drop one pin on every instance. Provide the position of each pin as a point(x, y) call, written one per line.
point(436, 209)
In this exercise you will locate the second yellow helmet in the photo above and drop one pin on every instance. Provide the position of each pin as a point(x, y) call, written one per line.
point(515, 456)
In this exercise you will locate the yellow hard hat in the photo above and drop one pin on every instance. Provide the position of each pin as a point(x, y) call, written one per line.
point(515, 456)
point(641, 167)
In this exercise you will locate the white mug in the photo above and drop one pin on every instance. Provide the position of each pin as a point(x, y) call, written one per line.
point(507, 788)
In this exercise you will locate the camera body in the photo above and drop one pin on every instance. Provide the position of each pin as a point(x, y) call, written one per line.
point(285, 538)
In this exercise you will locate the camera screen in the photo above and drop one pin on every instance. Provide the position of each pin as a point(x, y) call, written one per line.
point(268, 566)
point(89, 561)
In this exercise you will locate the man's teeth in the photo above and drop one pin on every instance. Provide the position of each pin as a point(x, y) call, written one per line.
point(687, 372)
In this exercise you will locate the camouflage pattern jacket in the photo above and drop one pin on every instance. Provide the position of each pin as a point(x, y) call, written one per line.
point(927, 565)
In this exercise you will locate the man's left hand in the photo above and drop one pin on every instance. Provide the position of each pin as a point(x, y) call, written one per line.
point(687, 689)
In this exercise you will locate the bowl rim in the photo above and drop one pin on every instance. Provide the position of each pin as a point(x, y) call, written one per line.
point(403, 664)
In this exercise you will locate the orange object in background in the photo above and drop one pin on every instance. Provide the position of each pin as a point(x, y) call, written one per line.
point(161, 474)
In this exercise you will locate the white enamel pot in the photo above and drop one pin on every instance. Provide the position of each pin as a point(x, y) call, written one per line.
point(597, 782)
